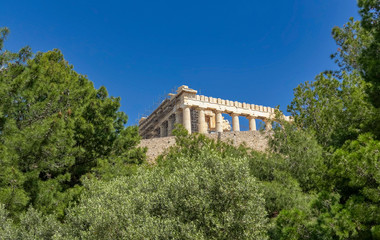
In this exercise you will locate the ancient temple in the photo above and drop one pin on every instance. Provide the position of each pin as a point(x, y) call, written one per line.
point(198, 113)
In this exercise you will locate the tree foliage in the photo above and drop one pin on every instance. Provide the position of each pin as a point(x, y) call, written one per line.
point(55, 127)
point(335, 110)
point(341, 109)
point(370, 56)
point(202, 196)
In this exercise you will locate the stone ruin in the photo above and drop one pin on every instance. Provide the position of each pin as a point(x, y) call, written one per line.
point(198, 113)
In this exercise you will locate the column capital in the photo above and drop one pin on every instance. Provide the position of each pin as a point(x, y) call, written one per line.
point(234, 114)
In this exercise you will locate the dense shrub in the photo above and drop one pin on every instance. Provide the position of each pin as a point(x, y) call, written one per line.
point(202, 197)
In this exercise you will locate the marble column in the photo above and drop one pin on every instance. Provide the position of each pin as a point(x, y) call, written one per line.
point(235, 122)
point(219, 121)
point(252, 123)
point(187, 119)
point(163, 130)
point(170, 126)
point(202, 126)
point(178, 116)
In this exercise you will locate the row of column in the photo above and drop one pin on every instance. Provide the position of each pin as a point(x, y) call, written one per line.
point(185, 119)
point(202, 126)
point(235, 122)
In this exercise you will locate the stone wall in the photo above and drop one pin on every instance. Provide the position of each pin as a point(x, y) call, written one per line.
point(256, 140)
point(156, 146)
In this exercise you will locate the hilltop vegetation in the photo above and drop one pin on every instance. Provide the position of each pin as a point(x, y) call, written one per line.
point(70, 169)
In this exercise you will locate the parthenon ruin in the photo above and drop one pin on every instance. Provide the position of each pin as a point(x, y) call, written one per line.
point(198, 113)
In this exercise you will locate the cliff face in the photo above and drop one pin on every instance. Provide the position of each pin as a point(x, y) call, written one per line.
point(252, 139)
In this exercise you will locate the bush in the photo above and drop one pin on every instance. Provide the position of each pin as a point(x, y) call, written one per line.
point(204, 196)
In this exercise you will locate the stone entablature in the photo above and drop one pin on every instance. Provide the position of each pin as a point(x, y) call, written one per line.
point(198, 113)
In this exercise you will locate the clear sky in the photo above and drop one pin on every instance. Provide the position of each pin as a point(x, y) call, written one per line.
point(250, 51)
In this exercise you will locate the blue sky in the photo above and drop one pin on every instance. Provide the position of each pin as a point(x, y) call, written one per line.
point(250, 51)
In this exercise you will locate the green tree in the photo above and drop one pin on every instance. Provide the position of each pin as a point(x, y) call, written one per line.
point(341, 109)
point(370, 56)
point(326, 218)
point(359, 47)
point(302, 155)
point(281, 188)
point(334, 110)
point(355, 170)
point(55, 127)
point(32, 225)
point(7, 57)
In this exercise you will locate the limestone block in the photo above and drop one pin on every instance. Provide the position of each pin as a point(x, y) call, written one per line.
point(202, 98)
point(182, 87)
point(240, 105)
point(261, 108)
point(223, 102)
point(244, 105)
point(197, 97)
point(236, 104)
point(206, 99)
point(219, 101)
